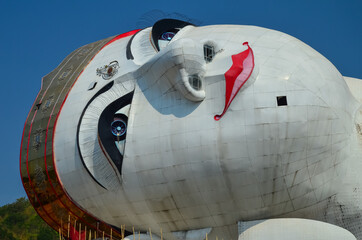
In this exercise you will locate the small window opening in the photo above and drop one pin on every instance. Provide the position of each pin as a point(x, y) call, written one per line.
point(48, 102)
point(37, 138)
point(195, 82)
point(37, 143)
point(37, 106)
point(64, 74)
point(282, 101)
point(209, 53)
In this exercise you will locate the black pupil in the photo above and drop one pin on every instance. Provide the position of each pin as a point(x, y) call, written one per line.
point(118, 127)
point(167, 36)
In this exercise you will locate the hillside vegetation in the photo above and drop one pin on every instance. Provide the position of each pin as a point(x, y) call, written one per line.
point(19, 221)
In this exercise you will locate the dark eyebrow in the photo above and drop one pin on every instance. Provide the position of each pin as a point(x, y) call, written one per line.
point(165, 25)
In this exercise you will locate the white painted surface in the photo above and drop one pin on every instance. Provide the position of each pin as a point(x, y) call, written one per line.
point(355, 85)
point(296, 229)
point(183, 170)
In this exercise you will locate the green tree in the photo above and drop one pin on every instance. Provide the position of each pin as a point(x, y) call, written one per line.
point(46, 234)
point(19, 221)
point(5, 235)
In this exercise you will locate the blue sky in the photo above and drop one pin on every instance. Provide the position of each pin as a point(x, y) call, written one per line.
point(37, 35)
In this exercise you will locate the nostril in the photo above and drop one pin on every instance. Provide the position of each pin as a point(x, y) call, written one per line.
point(195, 82)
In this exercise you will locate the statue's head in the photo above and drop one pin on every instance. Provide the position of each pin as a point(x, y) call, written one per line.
point(182, 114)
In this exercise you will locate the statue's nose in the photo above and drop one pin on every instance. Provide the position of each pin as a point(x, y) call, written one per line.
point(188, 62)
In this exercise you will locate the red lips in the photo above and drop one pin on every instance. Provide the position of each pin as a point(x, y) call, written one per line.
point(237, 75)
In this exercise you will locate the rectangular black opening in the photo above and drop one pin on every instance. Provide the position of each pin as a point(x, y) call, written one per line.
point(208, 53)
point(282, 101)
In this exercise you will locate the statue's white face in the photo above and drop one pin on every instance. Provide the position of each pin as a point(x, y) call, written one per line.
point(238, 122)
point(181, 73)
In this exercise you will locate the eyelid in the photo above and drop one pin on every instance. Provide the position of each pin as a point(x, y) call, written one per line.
point(140, 52)
point(140, 49)
point(129, 54)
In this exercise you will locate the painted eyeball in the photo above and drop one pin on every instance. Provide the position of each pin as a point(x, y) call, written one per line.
point(118, 127)
point(164, 30)
point(167, 36)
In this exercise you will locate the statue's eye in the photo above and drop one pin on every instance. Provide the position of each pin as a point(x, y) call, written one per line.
point(167, 36)
point(141, 47)
point(164, 30)
point(119, 126)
